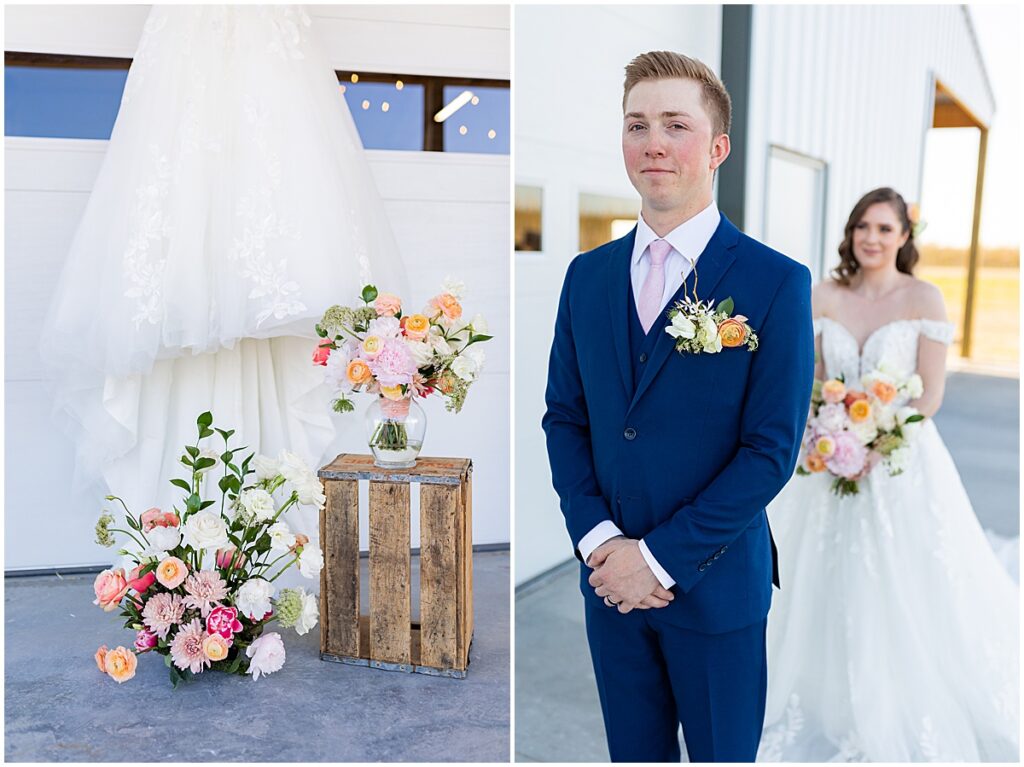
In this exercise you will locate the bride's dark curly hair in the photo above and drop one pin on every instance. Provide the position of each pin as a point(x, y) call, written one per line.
point(907, 256)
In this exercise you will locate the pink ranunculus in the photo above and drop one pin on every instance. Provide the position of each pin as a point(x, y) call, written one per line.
point(156, 518)
point(224, 621)
point(110, 587)
point(849, 457)
point(145, 640)
point(141, 583)
point(394, 364)
point(323, 352)
point(225, 557)
point(387, 305)
point(266, 655)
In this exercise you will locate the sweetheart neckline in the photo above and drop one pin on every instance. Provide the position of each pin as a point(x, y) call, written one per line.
point(872, 334)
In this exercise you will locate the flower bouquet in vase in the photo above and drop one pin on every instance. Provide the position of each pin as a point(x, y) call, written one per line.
point(850, 431)
point(197, 584)
point(399, 358)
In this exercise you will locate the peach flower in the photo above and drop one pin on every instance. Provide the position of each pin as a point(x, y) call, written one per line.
point(387, 305)
point(416, 326)
point(814, 463)
point(833, 391)
point(825, 446)
point(110, 587)
point(216, 647)
point(371, 347)
point(732, 332)
point(101, 655)
point(358, 372)
point(860, 411)
point(884, 391)
point(446, 304)
point(120, 664)
point(171, 572)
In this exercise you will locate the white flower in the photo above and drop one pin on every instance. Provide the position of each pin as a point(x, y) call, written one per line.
point(162, 539)
point(898, 460)
point(885, 417)
point(456, 287)
point(266, 468)
point(440, 346)
point(310, 613)
point(479, 325)
point(681, 327)
point(253, 598)
point(422, 352)
point(259, 503)
point(467, 365)
point(207, 452)
point(311, 561)
point(909, 430)
point(311, 493)
point(294, 469)
point(866, 432)
point(335, 370)
point(914, 386)
point(206, 530)
point(832, 418)
point(708, 334)
point(385, 327)
point(266, 655)
point(281, 538)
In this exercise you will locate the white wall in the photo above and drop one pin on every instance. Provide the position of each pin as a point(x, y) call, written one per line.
point(853, 85)
point(570, 64)
point(449, 212)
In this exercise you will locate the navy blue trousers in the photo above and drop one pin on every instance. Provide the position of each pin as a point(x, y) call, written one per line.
point(653, 676)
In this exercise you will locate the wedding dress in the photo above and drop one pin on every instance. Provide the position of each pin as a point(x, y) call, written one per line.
point(894, 636)
point(234, 205)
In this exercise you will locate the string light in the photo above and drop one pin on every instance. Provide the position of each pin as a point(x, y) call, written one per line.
point(342, 88)
point(355, 77)
point(491, 134)
point(463, 130)
point(399, 85)
point(385, 107)
point(453, 106)
point(475, 100)
point(366, 104)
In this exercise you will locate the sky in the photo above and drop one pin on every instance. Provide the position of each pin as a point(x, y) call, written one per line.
point(951, 154)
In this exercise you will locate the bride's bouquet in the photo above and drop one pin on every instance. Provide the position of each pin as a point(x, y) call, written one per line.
point(197, 584)
point(376, 348)
point(850, 431)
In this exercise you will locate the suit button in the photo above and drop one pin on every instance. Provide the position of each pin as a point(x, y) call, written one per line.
point(629, 433)
point(643, 357)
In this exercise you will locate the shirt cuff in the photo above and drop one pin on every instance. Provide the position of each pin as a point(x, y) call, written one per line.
point(600, 533)
point(666, 580)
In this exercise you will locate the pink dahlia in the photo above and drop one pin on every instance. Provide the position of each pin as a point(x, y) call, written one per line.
point(394, 364)
point(187, 647)
point(162, 611)
point(849, 457)
point(204, 589)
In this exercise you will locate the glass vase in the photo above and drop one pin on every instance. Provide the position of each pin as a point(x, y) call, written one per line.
point(395, 430)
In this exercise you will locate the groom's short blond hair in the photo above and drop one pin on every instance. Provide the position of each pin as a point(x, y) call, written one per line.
point(667, 65)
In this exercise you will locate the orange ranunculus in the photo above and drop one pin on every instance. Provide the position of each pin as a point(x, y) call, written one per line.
point(732, 332)
point(860, 411)
point(833, 391)
point(884, 391)
point(416, 326)
point(814, 463)
point(171, 572)
point(358, 372)
point(101, 655)
point(446, 304)
point(215, 647)
point(120, 664)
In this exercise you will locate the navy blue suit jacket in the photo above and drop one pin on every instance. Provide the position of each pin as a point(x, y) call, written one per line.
point(689, 457)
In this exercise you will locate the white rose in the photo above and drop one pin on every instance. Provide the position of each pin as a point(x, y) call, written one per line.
point(293, 468)
point(253, 598)
point(206, 530)
point(422, 353)
point(310, 613)
point(266, 468)
point(865, 432)
point(914, 386)
point(479, 325)
point(163, 539)
point(440, 346)
point(467, 365)
point(897, 460)
point(311, 561)
point(207, 452)
point(909, 430)
point(259, 503)
point(681, 327)
point(456, 287)
point(710, 338)
point(312, 494)
point(281, 538)
point(885, 417)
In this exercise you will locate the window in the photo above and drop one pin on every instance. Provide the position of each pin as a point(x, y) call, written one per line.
point(604, 218)
point(481, 124)
point(795, 207)
point(528, 217)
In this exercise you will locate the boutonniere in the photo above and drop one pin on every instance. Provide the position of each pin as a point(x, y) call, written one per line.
point(701, 326)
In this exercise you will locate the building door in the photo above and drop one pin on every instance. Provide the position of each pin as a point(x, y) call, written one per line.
point(795, 207)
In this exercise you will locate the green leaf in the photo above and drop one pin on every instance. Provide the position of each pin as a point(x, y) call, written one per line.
point(206, 505)
point(192, 450)
point(226, 456)
point(726, 305)
point(182, 484)
point(802, 471)
point(473, 339)
point(369, 294)
point(175, 677)
point(233, 467)
point(205, 463)
point(204, 420)
point(225, 434)
point(321, 332)
point(204, 433)
point(914, 418)
point(224, 484)
point(168, 661)
point(236, 662)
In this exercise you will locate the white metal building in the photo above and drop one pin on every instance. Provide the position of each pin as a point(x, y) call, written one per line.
point(829, 102)
point(450, 214)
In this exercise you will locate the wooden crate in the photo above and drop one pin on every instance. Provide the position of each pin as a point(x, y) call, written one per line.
point(386, 637)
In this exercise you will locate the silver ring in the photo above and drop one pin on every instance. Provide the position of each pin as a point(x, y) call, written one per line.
point(610, 603)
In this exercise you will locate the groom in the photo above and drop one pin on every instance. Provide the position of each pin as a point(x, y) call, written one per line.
point(664, 461)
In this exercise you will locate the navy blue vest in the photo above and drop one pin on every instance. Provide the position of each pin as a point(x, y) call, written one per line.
point(642, 344)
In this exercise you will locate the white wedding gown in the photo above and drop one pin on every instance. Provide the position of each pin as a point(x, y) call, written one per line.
point(895, 634)
point(233, 206)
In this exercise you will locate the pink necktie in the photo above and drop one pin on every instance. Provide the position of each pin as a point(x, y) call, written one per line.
point(654, 285)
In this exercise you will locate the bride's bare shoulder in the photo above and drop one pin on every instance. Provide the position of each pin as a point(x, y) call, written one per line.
point(927, 300)
point(824, 297)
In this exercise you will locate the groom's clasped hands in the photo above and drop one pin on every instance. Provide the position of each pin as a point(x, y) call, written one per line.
point(623, 579)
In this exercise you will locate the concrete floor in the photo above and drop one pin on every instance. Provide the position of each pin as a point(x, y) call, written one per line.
point(59, 707)
point(558, 716)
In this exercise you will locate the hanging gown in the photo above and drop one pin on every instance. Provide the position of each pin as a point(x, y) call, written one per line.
point(234, 204)
point(895, 634)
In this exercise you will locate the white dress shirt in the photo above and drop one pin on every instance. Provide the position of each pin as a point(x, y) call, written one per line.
point(688, 241)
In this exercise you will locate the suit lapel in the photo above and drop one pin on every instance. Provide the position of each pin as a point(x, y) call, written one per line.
point(618, 285)
point(712, 265)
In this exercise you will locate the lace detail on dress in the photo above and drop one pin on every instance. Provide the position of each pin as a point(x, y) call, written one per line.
point(775, 739)
point(144, 269)
point(943, 332)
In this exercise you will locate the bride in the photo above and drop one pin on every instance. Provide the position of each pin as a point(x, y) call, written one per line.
point(894, 637)
point(233, 206)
